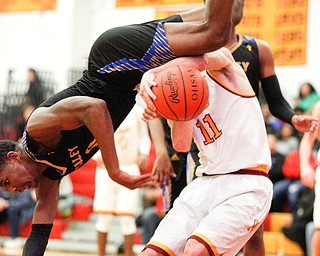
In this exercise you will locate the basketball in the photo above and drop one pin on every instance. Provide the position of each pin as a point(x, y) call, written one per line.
point(182, 93)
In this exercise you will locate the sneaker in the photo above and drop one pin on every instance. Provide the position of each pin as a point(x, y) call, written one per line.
point(13, 243)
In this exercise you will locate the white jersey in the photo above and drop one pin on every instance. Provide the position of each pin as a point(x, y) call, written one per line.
point(220, 142)
point(132, 138)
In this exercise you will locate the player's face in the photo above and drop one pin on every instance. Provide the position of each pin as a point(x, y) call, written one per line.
point(16, 178)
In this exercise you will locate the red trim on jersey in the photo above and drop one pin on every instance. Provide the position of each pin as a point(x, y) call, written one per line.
point(242, 171)
point(211, 253)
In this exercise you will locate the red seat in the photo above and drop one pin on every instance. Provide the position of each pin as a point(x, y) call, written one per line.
point(83, 179)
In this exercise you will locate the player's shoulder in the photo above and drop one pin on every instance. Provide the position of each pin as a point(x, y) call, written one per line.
point(251, 40)
point(262, 45)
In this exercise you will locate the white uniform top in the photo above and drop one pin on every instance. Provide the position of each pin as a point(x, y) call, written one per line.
point(132, 138)
point(221, 151)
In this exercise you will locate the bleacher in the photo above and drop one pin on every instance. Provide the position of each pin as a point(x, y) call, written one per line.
point(276, 243)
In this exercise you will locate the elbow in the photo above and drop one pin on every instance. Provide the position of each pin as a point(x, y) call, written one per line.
point(181, 146)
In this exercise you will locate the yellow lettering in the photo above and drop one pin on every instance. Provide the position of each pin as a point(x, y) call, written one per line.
point(245, 66)
point(75, 156)
point(73, 152)
point(77, 162)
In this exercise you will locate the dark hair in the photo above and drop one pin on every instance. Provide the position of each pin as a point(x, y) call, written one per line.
point(312, 89)
point(5, 147)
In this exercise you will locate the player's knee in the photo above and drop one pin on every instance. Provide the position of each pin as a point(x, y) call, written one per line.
point(103, 223)
point(194, 248)
point(128, 225)
point(149, 252)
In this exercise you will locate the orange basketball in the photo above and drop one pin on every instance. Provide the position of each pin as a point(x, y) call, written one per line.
point(182, 93)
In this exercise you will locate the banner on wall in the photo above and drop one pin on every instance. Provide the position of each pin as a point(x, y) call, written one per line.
point(281, 23)
point(130, 3)
point(27, 5)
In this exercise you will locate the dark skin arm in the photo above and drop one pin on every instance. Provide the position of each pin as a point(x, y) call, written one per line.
point(47, 195)
point(45, 126)
point(303, 123)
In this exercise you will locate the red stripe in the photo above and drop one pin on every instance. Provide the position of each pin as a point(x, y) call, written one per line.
point(211, 253)
point(157, 249)
point(242, 171)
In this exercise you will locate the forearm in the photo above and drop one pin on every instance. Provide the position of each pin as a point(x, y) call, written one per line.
point(305, 150)
point(99, 122)
point(181, 134)
point(37, 241)
point(278, 106)
point(157, 135)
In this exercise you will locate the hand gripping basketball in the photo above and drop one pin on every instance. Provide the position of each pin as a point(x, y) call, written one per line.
point(182, 93)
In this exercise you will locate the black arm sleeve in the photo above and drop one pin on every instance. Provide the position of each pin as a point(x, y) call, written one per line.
point(278, 105)
point(37, 241)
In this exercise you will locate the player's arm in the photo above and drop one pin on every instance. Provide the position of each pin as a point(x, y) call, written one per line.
point(278, 105)
point(73, 112)
point(181, 134)
point(307, 173)
point(144, 144)
point(47, 194)
point(162, 167)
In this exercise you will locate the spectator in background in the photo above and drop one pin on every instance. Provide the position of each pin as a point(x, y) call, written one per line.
point(273, 124)
point(308, 96)
point(152, 214)
point(277, 160)
point(16, 209)
point(287, 142)
point(35, 93)
point(288, 190)
point(111, 199)
point(310, 177)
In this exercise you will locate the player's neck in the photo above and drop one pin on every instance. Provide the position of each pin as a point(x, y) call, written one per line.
point(232, 41)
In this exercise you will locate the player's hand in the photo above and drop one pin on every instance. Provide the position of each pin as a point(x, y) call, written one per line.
point(134, 181)
point(145, 91)
point(149, 114)
point(307, 177)
point(162, 168)
point(305, 123)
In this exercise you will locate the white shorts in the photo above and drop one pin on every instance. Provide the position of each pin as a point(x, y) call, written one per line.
point(222, 212)
point(113, 198)
point(316, 210)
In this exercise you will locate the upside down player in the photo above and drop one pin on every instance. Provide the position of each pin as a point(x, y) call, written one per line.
point(68, 128)
point(221, 209)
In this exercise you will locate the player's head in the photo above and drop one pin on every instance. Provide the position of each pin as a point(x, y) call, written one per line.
point(237, 12)
point(14, 175)
point(5, 147)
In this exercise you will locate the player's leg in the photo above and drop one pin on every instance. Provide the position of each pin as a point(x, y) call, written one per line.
point(102, 227)
point(209, 35)
point(194, 248)
point(228, 226)
point(316, 215)
point(126, 208)
point(104, 202)
point(129, 230)
point(316, 242)
point(255, 245)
